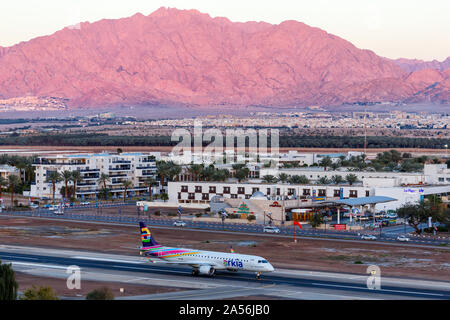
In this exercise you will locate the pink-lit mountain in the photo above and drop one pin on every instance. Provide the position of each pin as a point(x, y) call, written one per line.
point(186, 57)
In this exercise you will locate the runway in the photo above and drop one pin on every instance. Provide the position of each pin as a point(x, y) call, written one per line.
point(281, 284)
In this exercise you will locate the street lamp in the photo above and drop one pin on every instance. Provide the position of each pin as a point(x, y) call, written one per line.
point(446, 150)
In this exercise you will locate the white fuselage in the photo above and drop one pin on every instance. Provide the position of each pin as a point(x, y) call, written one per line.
point(221, 261)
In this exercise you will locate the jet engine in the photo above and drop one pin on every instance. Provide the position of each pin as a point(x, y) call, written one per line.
point(206, 270)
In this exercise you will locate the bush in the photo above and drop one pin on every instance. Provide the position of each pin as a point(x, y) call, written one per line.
point(172, 214)
point(103, 293)
point(251, 217)
point(41, 293)
point(198, 215)
point(8, 284)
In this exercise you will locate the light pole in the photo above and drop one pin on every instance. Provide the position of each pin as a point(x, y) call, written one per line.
point(446, 150)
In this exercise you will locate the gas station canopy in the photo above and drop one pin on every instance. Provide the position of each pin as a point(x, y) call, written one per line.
point(359, 201)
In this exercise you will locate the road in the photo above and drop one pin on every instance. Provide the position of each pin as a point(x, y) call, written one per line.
point(77, 214)
point(283, 283)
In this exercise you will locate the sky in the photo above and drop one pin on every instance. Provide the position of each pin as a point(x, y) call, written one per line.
point(391, 28)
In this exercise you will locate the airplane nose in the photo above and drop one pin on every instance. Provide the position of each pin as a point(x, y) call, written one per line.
point(270, 267)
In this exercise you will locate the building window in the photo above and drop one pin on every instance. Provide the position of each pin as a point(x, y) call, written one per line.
point(184, 188)
point(198, 189)
point(234, 196)
point(191, 196)
point(322, 193)
point(226, 189)
point(255, 190)
point(212, 189)
point(268, 192)
point(241, 190)
point(306, 192)
point(291, 191)
point(353, 194)
point(179, 195)
point(205, 196)
point(367, 193)
point(278, 191)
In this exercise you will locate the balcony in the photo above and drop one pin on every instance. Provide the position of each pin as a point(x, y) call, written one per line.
point(121, 161)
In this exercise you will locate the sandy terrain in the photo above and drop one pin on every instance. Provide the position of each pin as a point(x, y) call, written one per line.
point(26, 281)
point(402, 261)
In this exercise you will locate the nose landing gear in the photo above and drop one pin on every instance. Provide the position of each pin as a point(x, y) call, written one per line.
point(258, 276)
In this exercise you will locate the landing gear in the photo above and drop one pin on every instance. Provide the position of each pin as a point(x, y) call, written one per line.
point(258, 276)
point(195, 272)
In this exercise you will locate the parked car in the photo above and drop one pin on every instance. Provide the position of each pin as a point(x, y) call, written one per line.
point(53, 207)
point(368, 237)
point(270, 229)
point(59, 212)
point(179, 223)
point(84, 203)
point(403, 238)
point(34, 206)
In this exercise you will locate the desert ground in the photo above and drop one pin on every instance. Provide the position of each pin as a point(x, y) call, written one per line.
point(307, 254)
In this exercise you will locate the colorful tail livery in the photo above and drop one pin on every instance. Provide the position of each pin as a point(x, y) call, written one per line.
point(202, 262)
point(146, 236)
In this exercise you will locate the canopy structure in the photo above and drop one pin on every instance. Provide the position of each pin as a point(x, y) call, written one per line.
point(353, 202)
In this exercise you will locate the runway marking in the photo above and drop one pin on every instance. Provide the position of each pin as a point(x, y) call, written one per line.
point(399, 291)
point(38, 265)
point(108, 260)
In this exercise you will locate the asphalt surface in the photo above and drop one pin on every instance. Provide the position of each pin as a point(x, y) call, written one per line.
point(298, 284)
point(388, 234)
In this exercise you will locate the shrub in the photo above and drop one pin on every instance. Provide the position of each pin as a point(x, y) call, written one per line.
point(41, 293)
point(251, 217)
point(198, 215)
point(172, 214)
point(103, 293)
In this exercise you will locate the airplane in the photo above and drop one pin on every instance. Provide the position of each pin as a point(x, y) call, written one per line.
point(202, 262)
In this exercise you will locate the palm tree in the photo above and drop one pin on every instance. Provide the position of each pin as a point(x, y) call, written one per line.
point(283, 177)
point(76, 177)
point(269, 179)
point(53, 177)
point(242, 174)
point(2, 184)
point(162, 170)
point(337, 179)
point(296, 179)
point(66, 175)
point(195, 170)
point(326, 162)
point(126, 184)
point(351, 178)
point(102, 180)
point(13, 182)
point(149, 181)
point(323, 180)
point(208, 172)
point(164, 197)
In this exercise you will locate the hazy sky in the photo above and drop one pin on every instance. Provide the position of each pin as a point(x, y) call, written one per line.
point(391, 28)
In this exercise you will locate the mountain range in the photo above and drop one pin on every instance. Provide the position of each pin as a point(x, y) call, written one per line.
point(184, 57)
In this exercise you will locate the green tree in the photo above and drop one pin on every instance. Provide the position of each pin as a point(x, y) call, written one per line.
point(66, 175)
point(316, 220)
point(41, 293)
point(53, 177)
point(351, 178)
point(337, 179)
point(103, 179)
point(241, 174)
point(126, 184)
point(283, 177)
point(269, 179)
point(296, 179)
point(325, 162)
point(13, 182)
point(76, 178)
point(150, 181)
point(323, 180)
point(195, 170)
point(420, 212)
point(3, 183)
point(164, 197)
point(103, 293)
point(8, 283)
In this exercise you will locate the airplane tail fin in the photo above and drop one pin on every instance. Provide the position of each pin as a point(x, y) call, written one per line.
point(146, 237)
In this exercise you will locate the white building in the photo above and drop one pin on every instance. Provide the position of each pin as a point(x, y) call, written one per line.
point(7, 170)
point(135, 167)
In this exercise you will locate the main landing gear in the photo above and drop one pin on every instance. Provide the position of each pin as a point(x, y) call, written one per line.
point(195, 272)
point(258, 276)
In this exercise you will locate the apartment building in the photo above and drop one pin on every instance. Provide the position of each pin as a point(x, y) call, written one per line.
point(7, 170)
point(134, 167)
